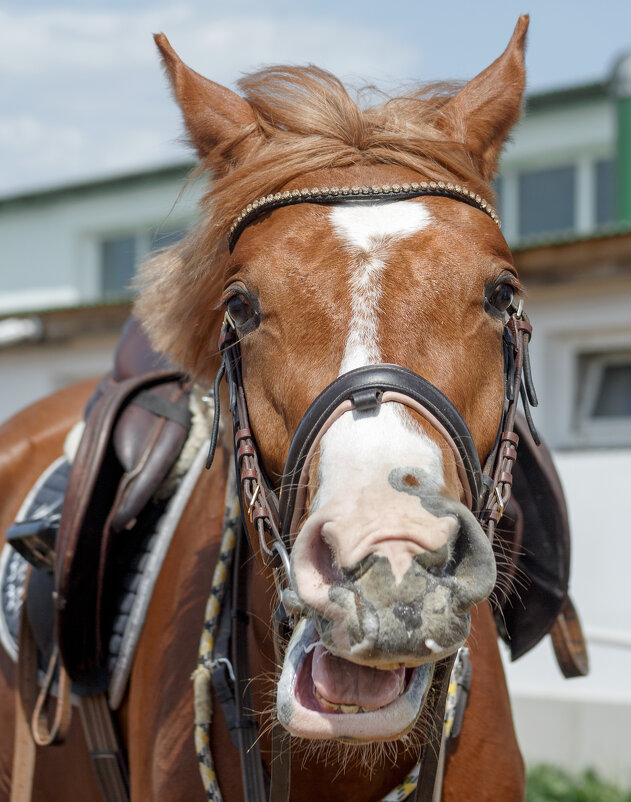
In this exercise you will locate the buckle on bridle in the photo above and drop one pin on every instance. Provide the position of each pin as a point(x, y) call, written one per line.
point(500, 503)
point(257, 490)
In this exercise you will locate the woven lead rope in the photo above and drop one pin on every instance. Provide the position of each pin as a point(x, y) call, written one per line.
point(202, 675)
point(404, 789)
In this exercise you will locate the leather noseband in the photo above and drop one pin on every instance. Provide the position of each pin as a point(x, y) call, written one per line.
point(366, 388)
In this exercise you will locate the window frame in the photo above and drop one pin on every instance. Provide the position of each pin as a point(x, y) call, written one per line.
point(608, 429)
point(567, 427)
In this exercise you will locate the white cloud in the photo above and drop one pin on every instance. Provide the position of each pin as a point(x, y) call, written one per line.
point(85, 93)
point(36, 41)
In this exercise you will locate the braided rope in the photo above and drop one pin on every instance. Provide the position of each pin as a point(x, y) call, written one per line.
point(405, 788)
point(202, 677)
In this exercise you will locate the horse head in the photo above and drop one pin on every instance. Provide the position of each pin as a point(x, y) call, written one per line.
point(319, 281)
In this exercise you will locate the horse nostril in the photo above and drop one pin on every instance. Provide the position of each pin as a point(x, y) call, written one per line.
point(409, 614)
point(324, 560)
point(434, 559)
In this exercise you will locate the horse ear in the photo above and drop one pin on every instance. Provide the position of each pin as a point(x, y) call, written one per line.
point(485, 109)
point(218, 121)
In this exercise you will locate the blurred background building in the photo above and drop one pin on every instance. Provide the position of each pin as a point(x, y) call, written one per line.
point(564, 192)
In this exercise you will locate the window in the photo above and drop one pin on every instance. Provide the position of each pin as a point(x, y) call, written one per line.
point(546, 200)
point(118, 264)
point(121, 255)
point(603, 404)
point(605, 191)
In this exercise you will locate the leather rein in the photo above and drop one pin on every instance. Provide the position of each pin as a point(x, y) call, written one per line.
point(270, 519)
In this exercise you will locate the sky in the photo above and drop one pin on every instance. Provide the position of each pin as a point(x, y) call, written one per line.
point(82, 94)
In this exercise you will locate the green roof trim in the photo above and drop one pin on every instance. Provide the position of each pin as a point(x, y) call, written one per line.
point(540, 101)
point(568, 237)
point(178, 171)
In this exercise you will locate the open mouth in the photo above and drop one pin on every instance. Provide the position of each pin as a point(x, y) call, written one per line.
point(321, 695)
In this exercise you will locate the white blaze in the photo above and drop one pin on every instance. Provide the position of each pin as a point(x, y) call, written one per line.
point(360, 449)
point(367, 231)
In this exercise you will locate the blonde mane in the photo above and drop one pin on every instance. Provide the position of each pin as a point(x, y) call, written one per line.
point(304, 120)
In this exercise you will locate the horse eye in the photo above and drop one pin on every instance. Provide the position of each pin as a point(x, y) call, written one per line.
point(240, 309)
point(502, 297)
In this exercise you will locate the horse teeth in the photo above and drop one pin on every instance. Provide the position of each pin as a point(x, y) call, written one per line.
point(336, 708)
point(330, 706)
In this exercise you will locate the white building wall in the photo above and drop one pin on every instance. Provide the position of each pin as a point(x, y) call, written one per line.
point(49, 252)
point(557, 136)
point(29, 373)
point(582, 722)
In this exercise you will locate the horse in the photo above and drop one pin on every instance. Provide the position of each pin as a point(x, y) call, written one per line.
point(342, 250)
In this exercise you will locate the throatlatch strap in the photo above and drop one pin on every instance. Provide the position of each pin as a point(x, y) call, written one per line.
point(246, 723)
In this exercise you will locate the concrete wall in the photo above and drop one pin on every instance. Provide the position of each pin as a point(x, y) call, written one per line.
point(584, 722)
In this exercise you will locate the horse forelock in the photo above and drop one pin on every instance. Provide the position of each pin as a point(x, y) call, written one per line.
point(306, 120)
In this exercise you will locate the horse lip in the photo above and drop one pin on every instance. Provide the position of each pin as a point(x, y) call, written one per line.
point(387, 723)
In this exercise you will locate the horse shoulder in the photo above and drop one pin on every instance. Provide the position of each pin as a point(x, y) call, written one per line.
point(485, 758)
point(29, 442)
point(157, 716)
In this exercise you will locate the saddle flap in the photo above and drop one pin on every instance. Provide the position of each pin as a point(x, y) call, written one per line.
point(534, 540)
point(151, 430)
point(124, 455)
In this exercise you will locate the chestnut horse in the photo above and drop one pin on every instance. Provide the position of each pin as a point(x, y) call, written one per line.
point(390, 572)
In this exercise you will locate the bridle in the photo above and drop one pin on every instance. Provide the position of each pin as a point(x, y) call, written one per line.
point(272, 517)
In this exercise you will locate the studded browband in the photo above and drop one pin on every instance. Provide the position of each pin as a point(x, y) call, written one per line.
point(336, 195)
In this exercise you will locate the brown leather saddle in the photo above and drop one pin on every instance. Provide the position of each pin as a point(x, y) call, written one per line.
point(136, 424)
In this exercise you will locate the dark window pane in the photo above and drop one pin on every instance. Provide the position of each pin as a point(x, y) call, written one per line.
point(614, 393)
point(546, 200)
point(605, 191)
point(118, 262)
